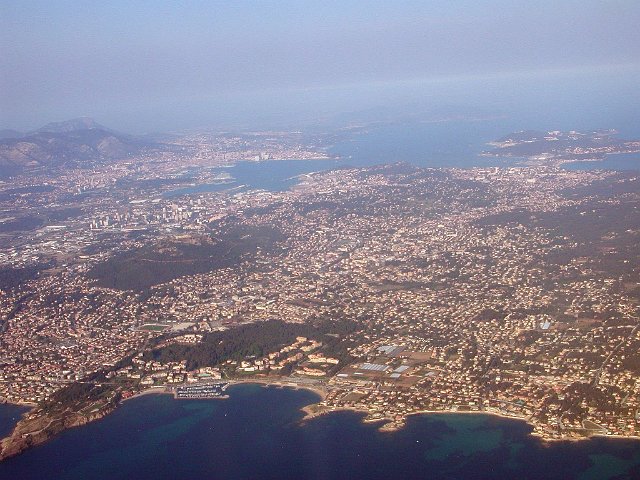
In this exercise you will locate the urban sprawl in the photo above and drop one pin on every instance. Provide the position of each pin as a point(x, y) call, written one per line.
point(512, 291)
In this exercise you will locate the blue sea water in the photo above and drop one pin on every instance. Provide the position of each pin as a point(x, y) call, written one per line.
point(618, 162)
point(446, 144)
point(257, 434)
point(9, 416)
point(454, 143)
point(442, 144)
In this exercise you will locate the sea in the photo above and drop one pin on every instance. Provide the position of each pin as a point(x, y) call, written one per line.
point(443, 144)
point(9, 416)
point(258, 433)
point(471, 112)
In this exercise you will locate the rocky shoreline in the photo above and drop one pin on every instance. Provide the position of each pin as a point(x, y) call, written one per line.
point(390, 424)
point(34, 429)
point(37, 426)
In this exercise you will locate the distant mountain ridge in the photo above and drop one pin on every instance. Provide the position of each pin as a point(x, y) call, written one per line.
point(73, 125)
point(75, 143)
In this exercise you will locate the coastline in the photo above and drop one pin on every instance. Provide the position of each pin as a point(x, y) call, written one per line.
point(19, 403)
point(317, 389)
point(321, 392)
point(310, 411)
point(389, 424)
point(148, 391)
point(533, 161)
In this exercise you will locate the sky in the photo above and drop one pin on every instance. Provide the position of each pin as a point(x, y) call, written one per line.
point(149, 65)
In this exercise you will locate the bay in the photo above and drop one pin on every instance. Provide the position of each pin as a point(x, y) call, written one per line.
point(257, 434)
point(436, 144)
point(447, 144)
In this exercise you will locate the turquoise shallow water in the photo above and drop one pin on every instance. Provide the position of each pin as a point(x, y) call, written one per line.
point(256, 434)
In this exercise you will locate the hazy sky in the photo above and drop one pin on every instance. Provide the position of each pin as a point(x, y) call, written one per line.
point(152, 62)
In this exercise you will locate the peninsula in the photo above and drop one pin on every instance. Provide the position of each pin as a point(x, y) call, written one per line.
point(557, 147)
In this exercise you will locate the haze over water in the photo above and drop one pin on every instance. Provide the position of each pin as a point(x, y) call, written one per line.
point(445, 143)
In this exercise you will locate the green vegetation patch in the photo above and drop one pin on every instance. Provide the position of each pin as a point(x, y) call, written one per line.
point(167, 260)
point(254, 340)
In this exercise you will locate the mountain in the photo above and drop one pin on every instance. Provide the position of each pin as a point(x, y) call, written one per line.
point(74, 143)
point(74, 125)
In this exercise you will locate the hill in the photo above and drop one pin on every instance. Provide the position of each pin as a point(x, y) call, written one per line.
point(73, 125)
point(74, 143)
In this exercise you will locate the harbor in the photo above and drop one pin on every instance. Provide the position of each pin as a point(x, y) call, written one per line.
point(201, 391)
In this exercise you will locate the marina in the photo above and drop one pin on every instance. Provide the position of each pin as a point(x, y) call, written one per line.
point(201, 391)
